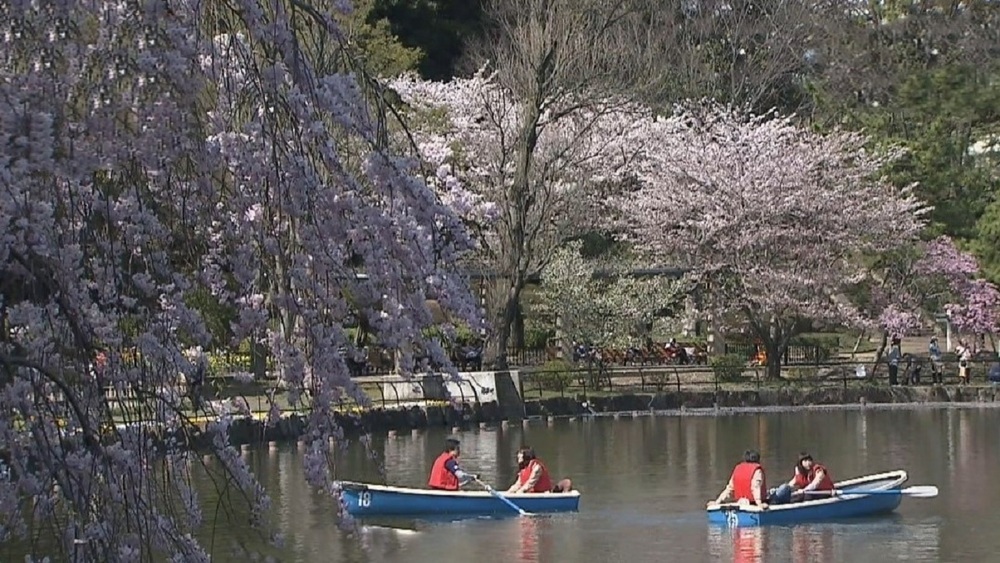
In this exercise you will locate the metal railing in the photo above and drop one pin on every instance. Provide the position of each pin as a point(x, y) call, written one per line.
point(676, 379)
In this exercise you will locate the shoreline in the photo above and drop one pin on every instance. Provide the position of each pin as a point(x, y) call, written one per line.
point(249, 431)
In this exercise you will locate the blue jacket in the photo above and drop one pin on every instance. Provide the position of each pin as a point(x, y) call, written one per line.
point(994, 374)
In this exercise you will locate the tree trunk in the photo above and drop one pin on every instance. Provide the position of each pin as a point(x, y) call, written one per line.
point(258, 360)
point(504, 302)
point(878, 353)
point(361, 337)
point(857, 343)
point(517, 326)
point(774, 353)
point(517, 252)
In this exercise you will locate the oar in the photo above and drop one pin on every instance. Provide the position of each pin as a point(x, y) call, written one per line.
point(505, 500)
point(917, 491)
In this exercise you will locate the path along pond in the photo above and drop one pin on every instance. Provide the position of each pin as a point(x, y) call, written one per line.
point(645, 482)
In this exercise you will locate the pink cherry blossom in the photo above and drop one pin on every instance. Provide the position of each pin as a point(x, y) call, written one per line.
point(524, 174)
point(905, 290)
point(770, 218)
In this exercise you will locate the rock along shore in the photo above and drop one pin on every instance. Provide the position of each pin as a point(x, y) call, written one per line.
point(291, 428)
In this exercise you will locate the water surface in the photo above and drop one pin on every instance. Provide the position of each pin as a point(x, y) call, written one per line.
point(645, 482)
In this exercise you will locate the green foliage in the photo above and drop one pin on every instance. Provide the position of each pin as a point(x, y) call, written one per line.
point(220, 365)
point(537, 338)
point(818, 347)
point(373, 37)
point(728, 367)
point(598, 301)
point(940, 115)
point(458, 333)
point(439, 29)
point(218, 317)
point(555, 375)
point(986, 246)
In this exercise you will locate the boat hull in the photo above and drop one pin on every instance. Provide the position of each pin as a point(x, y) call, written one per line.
point(361, 499)
point(840, 507)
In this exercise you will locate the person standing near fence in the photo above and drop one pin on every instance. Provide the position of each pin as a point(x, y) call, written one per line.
point(964, 356)
point(893, 360)
point(934, 351)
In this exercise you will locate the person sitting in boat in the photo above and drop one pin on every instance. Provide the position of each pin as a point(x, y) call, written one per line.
point(747, 483)
point(810, 481)
point(786, 493)
point(816, 479)
point(533, 476)
point(446, 475)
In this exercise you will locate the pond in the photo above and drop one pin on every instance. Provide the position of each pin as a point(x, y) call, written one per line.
point(645, 482)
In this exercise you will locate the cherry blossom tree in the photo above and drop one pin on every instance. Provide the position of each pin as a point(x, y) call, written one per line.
point(539, 132)
point(156, 150)
point(600, 302)
point(904, 289)
point(770, 218)
point(469, 131)
point(971, 303)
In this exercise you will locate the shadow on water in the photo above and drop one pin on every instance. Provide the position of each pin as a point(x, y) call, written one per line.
point(415, 524)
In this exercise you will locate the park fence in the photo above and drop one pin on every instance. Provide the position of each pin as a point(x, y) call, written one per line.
point(540, 384)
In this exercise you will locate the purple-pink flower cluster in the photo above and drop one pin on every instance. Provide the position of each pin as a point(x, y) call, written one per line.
point(153, 156)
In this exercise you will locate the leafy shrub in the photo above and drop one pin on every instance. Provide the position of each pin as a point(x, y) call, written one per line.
point(818, 348)
point(535, 339)
point(555, 375)
point(728, 367)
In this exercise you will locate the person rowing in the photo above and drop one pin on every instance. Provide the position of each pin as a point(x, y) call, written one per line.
point(446, 475)
point(810, 480)
point(533, 476)
point(747, 484)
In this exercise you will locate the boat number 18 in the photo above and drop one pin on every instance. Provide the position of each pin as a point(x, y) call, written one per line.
point(364, 499)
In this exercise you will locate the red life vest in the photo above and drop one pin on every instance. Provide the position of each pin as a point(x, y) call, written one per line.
point(742, 479)
point(544, 483)
point(441, 478)
point(802, 481)
point(826, 483)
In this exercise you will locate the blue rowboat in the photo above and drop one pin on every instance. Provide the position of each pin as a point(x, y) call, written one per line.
point(362, 499)
point(845, 505)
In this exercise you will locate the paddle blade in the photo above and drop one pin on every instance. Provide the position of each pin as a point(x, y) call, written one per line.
point(921, 491)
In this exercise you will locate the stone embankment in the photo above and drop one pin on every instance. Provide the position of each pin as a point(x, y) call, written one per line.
point(290, 428)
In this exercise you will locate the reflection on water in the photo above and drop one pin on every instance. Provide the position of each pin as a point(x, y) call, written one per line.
point(888, 538)
point(741, 545)
point(812, 545)
point(645, 483)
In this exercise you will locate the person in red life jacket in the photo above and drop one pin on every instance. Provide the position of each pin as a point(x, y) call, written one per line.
point(807, 476)
point(746, 484)
point(812, 478)
point(533, 476)
point(446, 475)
